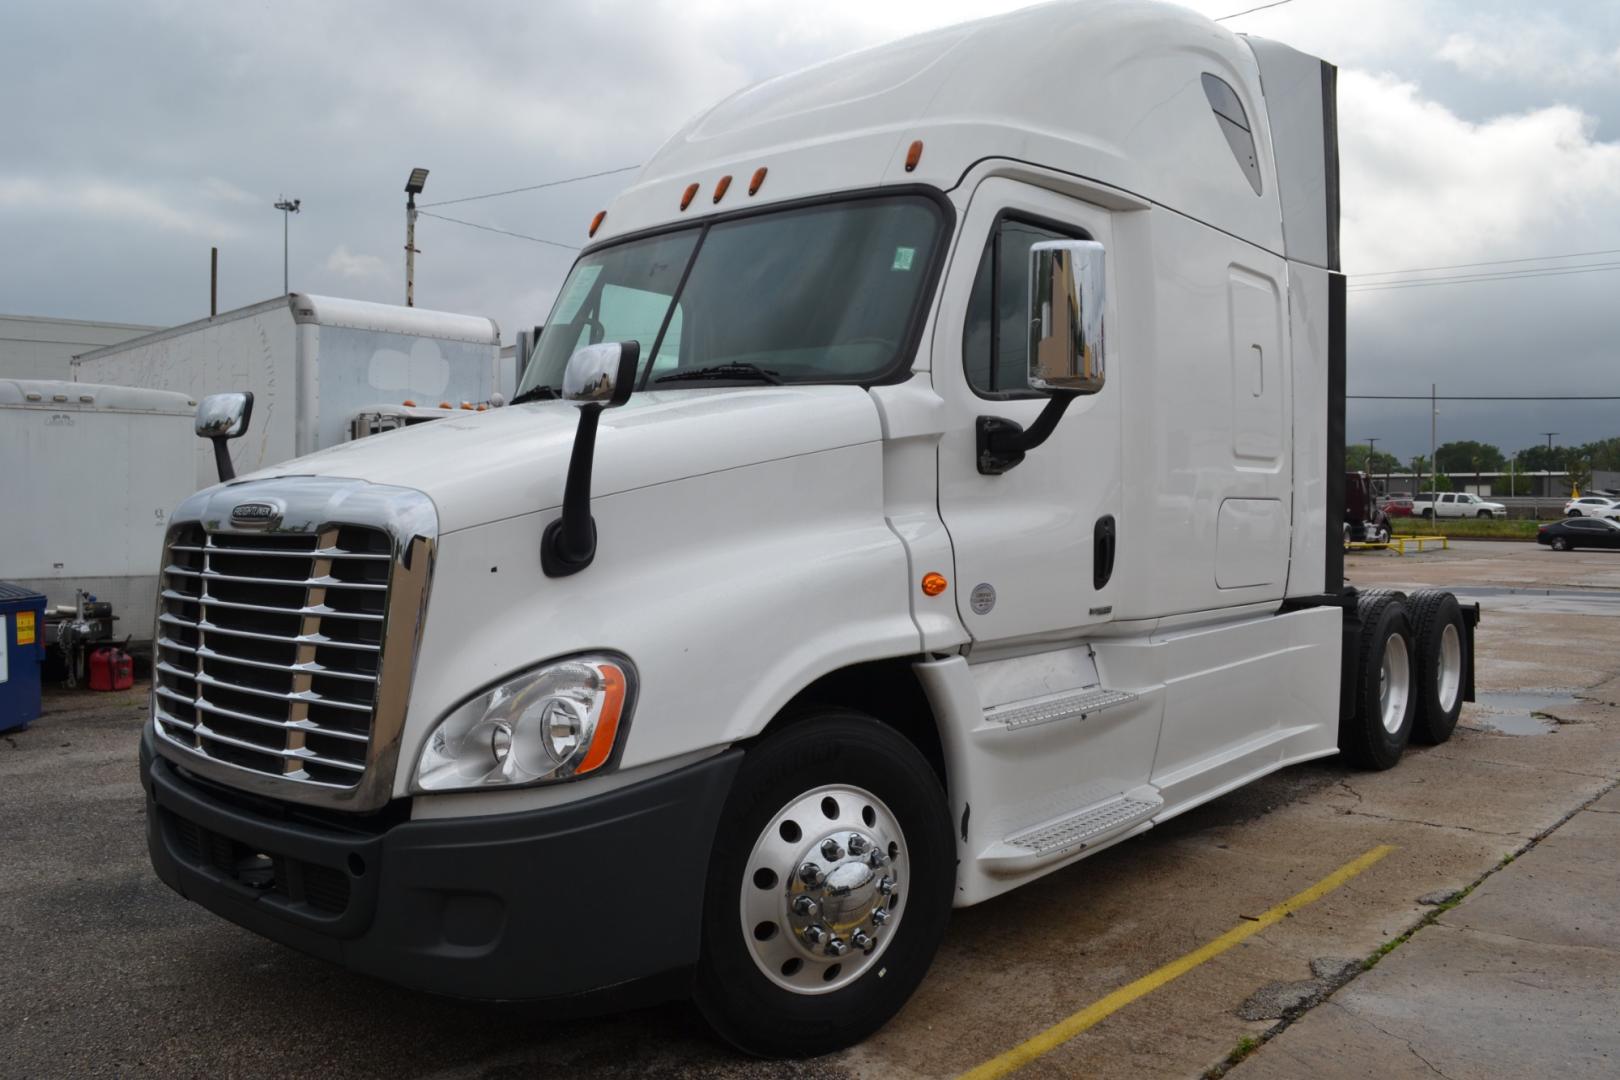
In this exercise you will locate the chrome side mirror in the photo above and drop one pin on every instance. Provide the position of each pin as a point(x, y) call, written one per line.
point(1067, 344)
point(597, 377)
point(603, 373)
point(221, 418)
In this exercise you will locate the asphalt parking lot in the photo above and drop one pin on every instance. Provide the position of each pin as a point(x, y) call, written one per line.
point(106, 972)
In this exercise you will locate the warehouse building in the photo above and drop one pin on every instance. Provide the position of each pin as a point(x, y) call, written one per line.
point(33, 347)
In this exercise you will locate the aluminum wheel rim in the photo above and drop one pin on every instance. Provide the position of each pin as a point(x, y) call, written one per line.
point(1394, 683)
point(819, 906)
point(1450, 667)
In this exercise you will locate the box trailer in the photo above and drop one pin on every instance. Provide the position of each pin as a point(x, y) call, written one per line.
point(930, 474)
point(312, 364)
point(92, 474)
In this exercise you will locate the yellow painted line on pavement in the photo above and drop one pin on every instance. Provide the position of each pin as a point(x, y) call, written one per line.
point(1095, 1013)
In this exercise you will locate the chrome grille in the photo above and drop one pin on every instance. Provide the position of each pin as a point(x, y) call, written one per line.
point(269, 648)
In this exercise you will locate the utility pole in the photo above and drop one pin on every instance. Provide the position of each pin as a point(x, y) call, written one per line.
point(288, 207)
point(213, 282)
point(1434, 466)
point(413, 187)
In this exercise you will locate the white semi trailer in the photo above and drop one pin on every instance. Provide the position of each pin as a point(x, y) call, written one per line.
point(313, 364)
point(929, 475)
point(92, 473)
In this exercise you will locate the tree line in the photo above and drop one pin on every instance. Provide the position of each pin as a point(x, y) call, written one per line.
point(1465, 457)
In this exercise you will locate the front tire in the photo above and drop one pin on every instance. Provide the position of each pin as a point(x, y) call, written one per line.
point(1485, 514)
point(830, 822)
point(1560, 543)
point(1376, 732)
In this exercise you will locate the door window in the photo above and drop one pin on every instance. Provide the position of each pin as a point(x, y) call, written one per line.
point(995, 335)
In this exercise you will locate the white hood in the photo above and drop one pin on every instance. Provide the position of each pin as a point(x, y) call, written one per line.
point(480, 467)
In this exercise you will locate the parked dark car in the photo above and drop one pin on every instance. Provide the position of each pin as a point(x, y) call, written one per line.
point(1579, 532)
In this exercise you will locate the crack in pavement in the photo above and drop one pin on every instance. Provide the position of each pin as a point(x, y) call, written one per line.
point(1431, 824)
point(1432, 1067)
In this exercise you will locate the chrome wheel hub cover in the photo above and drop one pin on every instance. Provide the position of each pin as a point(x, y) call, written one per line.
point(822, 889)
point(1450, 674)
point(1394, 683)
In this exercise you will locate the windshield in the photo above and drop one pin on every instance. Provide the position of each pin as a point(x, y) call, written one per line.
point(826, 293)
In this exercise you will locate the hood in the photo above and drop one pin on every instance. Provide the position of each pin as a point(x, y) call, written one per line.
point(480, 467)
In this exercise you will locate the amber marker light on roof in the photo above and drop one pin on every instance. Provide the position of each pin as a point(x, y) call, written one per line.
point(720, 188)
point(913, 155)
point(596, 222)
point(409, 403)
point(933, 583)
point(759, 178)
point(444, 404)
point(688, 195)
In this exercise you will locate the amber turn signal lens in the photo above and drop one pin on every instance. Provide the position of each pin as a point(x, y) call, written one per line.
point(759, 178)
point(688, 196)
point(913, 155)
point(596, 222)
point(720, 188)
point(408, 403)
point(933, 584)
point(444, 404)
point(607, 725)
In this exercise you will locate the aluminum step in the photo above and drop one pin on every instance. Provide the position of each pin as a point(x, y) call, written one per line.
point(1074, 833)
point(1069, 705)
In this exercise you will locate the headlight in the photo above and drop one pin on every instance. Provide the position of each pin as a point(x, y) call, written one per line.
point(557, 721)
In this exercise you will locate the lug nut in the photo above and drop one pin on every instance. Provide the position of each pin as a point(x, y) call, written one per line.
point(806, 906)
point(830, 850)
point(815, 934)
point(810, 874)
point(876, 859)
point(836, 947)
point(862, 941)
point(880, 916)
point(886, 886)
point(857, 844)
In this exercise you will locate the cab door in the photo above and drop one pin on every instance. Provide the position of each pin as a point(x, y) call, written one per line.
point(1036, 546)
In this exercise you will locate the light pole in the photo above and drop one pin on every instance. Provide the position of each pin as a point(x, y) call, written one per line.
point(288, 207)
point(413, 188)
point(1372, 448)
point(1547, 475)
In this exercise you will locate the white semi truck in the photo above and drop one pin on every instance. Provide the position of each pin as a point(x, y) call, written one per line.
point(319, 368)
point(930, 474)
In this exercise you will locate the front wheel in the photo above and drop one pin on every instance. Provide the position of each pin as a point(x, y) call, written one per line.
point(828, 890)
point(1560, 544)
point(1485, 514)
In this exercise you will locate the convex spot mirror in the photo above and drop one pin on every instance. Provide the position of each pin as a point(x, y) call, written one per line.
point(603, 373)
point(224, 416)
point(1067, 291)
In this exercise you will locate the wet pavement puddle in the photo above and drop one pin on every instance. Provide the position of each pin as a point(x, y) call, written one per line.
point(1520, 712)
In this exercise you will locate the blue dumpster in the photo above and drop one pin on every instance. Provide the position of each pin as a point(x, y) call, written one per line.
point(22, 650)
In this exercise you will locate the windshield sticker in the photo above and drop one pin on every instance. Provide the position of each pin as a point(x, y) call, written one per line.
point(568, 306)
point(903, 257)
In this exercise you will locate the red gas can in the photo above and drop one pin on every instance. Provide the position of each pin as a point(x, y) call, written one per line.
point(111, 669)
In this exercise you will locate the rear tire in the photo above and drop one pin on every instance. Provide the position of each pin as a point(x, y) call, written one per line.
point(1428, 512)
point(1379, 727)
point(830, 775)
point(1439, 652)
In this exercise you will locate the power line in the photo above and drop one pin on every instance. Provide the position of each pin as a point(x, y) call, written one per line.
point(533, 187)
point(1508, 275)
point(1489, 262)
point(503, 232)
point(1251, 11)
point(1484, 397)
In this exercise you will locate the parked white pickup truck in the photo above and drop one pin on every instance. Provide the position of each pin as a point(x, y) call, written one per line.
point(1455, 504)
point(930, 474)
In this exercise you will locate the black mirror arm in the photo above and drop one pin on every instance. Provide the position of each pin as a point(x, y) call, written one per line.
point(222, 459)
point(569, 543)
point(1002, 443)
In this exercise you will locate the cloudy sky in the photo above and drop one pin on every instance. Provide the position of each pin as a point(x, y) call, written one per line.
point(137, 135)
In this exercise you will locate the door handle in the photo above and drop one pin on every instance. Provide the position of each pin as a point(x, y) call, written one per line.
point(1102, 551)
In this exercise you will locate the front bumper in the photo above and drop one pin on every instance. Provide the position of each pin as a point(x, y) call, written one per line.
point(542, 904)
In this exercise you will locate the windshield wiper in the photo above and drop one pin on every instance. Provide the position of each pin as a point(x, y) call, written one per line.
point(535, 393)
point(723, 371)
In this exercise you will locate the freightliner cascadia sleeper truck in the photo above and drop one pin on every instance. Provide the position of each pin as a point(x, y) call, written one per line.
point(930, 474)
